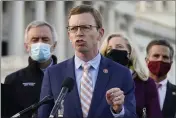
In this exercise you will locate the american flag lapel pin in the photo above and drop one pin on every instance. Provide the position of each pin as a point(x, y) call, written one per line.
point(105, 70)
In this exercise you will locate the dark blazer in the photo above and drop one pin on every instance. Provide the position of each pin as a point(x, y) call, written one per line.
point(117, 76)
point(169, 107)
point(147, 98)
point(27, 85)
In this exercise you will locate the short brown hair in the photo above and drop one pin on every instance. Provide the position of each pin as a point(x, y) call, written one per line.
point(163, 43)
point(87, 9)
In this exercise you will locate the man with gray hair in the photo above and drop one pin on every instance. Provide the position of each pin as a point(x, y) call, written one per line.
point(40, 42)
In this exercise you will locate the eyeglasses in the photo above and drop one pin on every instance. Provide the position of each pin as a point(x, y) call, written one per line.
point(83, 28)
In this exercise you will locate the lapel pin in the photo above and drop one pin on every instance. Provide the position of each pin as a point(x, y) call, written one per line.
point(173, 93)
point(105, 70)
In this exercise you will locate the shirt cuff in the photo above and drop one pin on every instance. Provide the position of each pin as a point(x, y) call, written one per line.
point(118, 115)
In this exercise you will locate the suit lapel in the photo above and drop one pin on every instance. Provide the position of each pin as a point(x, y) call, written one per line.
point(100, 87)
point(74, 93)
point(167, 101)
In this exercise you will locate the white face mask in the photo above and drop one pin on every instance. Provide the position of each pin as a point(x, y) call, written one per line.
point(40, 52)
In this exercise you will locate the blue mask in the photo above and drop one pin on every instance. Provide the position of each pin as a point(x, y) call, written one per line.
point(40, 52)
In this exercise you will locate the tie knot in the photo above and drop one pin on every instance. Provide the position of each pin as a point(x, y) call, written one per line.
point(158, 85)
point(86, 66)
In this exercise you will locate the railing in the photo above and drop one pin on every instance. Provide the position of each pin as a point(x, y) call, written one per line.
point(11, 64)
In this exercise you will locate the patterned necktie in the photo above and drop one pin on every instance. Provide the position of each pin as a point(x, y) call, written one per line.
point(86, 90)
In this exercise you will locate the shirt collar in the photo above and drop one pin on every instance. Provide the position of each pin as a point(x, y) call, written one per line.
point(132, 71)
point(164, 82)
point(94, 62)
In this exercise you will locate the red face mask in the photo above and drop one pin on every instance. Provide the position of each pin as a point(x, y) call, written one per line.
point(159, 68)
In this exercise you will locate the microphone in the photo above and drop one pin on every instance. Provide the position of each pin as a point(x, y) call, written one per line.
point(67, 86)
point(45, 100)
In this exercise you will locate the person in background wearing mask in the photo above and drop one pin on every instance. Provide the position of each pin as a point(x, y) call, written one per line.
point(159, 60)
point(118, 48)
point(40, 42)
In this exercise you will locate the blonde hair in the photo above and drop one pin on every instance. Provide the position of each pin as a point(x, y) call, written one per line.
point(104, 46)
point(136, 64)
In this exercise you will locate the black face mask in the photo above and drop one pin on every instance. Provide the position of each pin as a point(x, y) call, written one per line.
point(119, 56)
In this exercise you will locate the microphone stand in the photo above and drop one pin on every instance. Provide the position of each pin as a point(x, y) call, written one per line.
point(33, 107)
point(61, 110)
point(58, 102)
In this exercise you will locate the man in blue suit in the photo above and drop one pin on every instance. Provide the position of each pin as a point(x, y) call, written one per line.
point(103, 88)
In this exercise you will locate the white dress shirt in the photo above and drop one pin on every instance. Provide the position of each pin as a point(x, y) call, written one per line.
point(162, 92)
point(95, 62)
point(93, 70)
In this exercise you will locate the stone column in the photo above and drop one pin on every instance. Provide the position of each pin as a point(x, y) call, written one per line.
point(158, 6)
point(142, 6)
point(76, 3)
point(1, 12)
point(112, 21)
point(40, 10)
point(171, 6)
point(59, 23)
point(16, 38)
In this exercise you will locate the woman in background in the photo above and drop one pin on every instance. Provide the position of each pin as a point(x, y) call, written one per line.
point(118, 48)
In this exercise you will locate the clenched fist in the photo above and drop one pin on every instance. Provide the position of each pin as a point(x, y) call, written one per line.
point(115, 97)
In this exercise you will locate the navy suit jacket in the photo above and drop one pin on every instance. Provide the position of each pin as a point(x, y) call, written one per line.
point(169, 106)
point(117, 76)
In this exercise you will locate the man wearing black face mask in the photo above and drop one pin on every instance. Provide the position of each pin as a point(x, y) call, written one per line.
point(159, 60)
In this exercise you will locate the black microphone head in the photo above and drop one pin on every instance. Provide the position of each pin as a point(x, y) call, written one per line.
point(68, 83)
